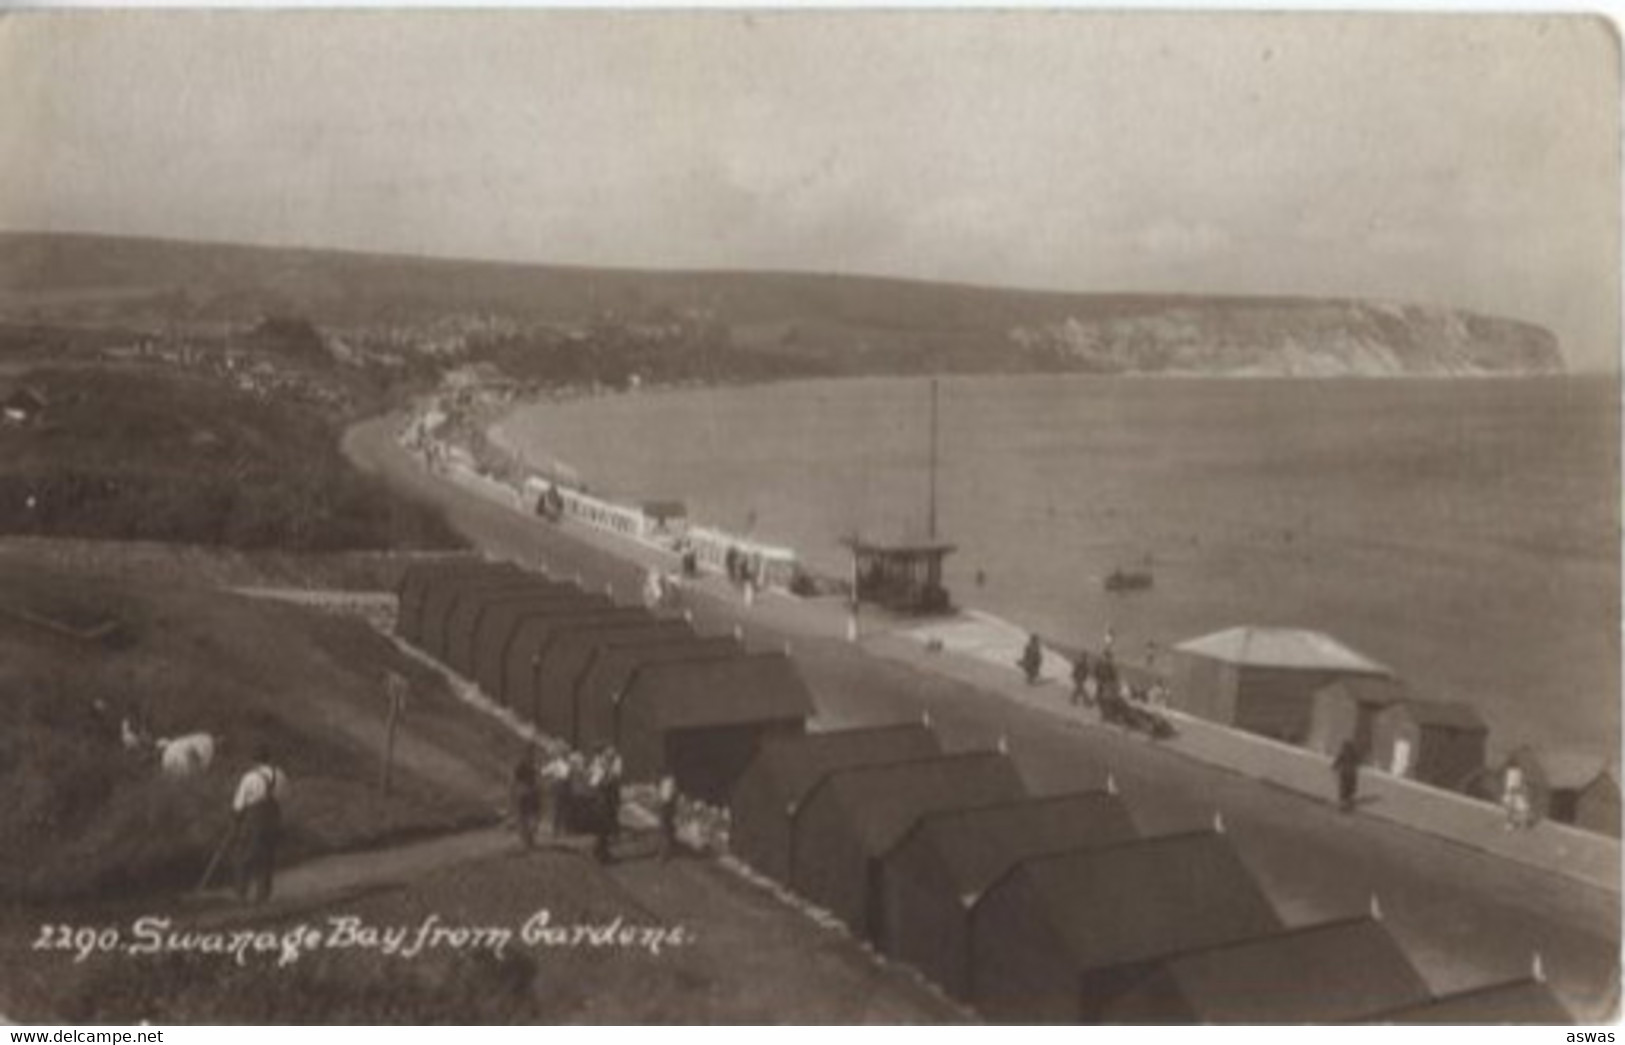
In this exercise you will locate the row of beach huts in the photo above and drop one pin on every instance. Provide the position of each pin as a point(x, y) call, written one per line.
point(1295, 685)
point(1309, 689)
point(1027, 907)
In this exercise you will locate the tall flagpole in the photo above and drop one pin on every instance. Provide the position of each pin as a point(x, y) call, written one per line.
point(931, 515)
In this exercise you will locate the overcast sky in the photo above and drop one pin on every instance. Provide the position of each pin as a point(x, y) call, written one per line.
point(1468, 160)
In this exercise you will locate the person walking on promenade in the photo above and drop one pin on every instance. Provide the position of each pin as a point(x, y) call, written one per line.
point(257, 811)
point(1347, 767)
point(1032, 659)
point(1516, 799)
point(527, 798)
point(1106, 673)
point(1080, 676)
point(666, 797)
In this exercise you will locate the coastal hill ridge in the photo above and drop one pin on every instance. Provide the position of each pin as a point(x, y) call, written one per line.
point(797, 323)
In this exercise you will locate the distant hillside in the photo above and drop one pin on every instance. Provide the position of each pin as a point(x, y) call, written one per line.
point(828, 324)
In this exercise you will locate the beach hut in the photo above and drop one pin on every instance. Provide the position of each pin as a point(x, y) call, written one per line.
point(469, 606)
point(1568, 787)
point(1432, 741)
point(500, 621)
point(1525, 1000)
point(851, 819)
point(769, 795)
point(1585, 795)
point(1346, 708)
point(935, 875)
point(441, 595)
point(566, 653)
point(414, 586)
point(1333, 972)
point(523, 655)
point(702, 721)
point(611, 667)
point(1263, 680)
point(1057, 937)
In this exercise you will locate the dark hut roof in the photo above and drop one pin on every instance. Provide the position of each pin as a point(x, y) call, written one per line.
point(533, 632)
point(1126, 903)
point(1526, 1001)
point(684, 694)
point(1328, 973)
point(789, 767)
point(567, 653)
point(613, 663)
point(471, 604)
point(883, 801)
point(443, 590)
point(416, 576)
point(1436, 714)
point(977, 845)
point(501, 620)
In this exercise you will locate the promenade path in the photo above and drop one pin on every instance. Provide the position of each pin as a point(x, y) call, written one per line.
point(1467, 914)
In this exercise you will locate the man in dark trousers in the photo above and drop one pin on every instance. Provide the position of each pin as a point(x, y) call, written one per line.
point(527, 798)
point(1080, 676)
point(1347, 767)
point(257, 810)
point(1032, 659)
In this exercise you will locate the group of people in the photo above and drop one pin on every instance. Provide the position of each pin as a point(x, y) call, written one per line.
point(584, 796)
point(1098, 683)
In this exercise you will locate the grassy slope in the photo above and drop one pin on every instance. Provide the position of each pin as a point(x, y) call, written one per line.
point(161, 455)
point(100, 823)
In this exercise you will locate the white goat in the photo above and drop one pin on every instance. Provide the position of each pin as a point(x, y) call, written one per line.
point(190, 755)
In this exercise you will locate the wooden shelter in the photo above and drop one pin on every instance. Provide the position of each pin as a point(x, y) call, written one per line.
point(442, 593)
point(934, 877)
point(1058, 937)
point(853, 817)
point(594, 709)
point(463, 618)
point(770, 793)
point(1438, 743)
point(702, 721)
point(500, 620)
point(1526, 1000)
point(1346, 709)
point(565, 654)
point(1333, 972)
point(1566, 786)
point(523, 655)
point(1263, 680)
point(905, 577)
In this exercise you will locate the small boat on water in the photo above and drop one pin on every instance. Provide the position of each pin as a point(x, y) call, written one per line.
point(1121, 580)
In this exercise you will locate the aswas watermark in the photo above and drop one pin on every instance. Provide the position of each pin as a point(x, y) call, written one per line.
point(152, 935)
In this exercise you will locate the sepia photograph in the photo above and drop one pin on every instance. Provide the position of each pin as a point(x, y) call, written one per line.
point(745, 516)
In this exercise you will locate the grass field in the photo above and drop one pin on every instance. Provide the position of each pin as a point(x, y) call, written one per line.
point(101, 823)
point(142, 454)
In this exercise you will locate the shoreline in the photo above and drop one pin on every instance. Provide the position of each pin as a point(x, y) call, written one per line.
point(974, 659)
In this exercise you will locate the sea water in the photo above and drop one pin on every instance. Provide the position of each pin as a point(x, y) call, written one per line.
point(1465, 533)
